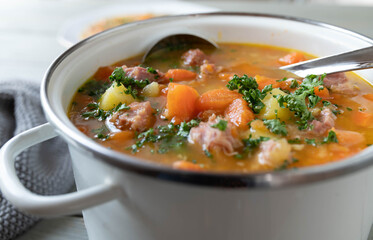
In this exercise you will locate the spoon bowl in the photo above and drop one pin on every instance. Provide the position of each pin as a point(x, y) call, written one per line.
point(179, 42)
point(347, 61)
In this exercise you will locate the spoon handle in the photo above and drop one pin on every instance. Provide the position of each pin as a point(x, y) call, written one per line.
point(348, 61)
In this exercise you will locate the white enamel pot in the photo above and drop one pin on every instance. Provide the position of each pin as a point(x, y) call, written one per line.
point(123, 197)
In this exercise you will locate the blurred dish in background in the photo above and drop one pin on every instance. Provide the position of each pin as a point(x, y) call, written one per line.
point(113, 22)
point(96, 21)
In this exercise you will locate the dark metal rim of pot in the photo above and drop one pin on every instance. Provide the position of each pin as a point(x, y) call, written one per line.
point(262, 180)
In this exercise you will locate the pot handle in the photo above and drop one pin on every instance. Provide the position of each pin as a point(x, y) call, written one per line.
point(25, 200)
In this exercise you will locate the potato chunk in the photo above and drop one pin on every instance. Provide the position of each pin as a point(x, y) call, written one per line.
point(151, 90)
point(257, 130)
point(272, 106)
point(274, 152)
point(113, 96)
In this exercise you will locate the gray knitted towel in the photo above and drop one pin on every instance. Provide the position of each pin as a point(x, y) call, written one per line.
point(44, 169)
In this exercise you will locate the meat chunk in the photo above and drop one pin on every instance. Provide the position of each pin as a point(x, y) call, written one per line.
point(138, 118)
point(140, 73)
point(194, 57)
point(207, 69)
point(214, 139)
point(274, 153)
point(338, 83)
point(334, 79)
point(325, 122)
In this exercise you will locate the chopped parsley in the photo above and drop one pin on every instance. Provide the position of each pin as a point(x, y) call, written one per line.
point(251, 144)
point(94, 111)
point(349, 109)
point(282, 80)
point(332, 137)
point(294, 83)
point(132, 85)
point(101, 133)
point(310, 141)
point(207, 153)
point(294, 141)
point(221, 125)
point(168, 136)
point(276, 126)
point(153, 71)
point(297, 101)
point(336, 112)
point(286, 164)
point(248, 87)
point(94, 88)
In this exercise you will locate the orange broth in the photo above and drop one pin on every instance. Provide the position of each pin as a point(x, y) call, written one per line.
point(239, 59)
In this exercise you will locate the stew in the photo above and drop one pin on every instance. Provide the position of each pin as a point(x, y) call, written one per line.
point(229, 109)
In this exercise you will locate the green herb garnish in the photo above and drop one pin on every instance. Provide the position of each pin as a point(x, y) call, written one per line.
point(276, 126)
point(297, 101)
point(207, 153)
point(294, 141)
point(94, 111)
point(248, 87)
point(286, 164)
point(168, 136)
point(332, 137)
point(310, 141)
point(251, 144)
point(132, 86)
point(221, 125)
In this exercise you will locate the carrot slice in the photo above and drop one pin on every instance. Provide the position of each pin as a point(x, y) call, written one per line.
point(350, 138)
point(103, 73)
point(217, 100)
point(265, 81)
point(323, 92)
point(184, 165)
point(363, 119)
point(179, 75)
point(368, 96)
point(181, 102)
point(291, 58)
point(122, 136)
point(239, 113)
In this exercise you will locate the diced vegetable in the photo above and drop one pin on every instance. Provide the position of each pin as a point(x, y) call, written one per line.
point(181, 102)
point(184, 165)
point(274, 153)
point(322, 92)
point(292, 58)
point(350, 138)
point(363, 119)
point(103, 73)
point(217, 99)
point(178, 75)
point(151, 90)
point(113, 96)
point(368, 96)
point(257, 130)
point(265, 81)
point(290, 84)
point(122, 136)
point(239, 113)
point(272, 108)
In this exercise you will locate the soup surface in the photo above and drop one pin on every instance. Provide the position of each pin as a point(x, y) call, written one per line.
point(229, 109)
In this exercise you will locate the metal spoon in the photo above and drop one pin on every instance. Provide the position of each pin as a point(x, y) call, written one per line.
point(179, 41)
point(348, 61)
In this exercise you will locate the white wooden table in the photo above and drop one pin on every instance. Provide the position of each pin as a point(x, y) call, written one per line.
point(28, 45)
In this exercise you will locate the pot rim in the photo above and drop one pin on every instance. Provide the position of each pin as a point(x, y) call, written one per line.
point(268, 179)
